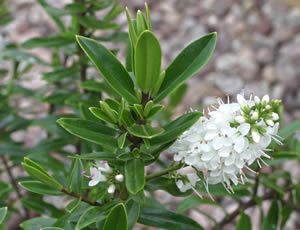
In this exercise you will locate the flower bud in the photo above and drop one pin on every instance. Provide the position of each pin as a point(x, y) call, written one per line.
point(111, 189)
point(270, 122)
point(241, 100)
point(256, 100)
point(266, 99)
point(275, 116)
point(255, 135)
point(119, 178)
point(254, 116)
point(240, 119)
point(268, 107)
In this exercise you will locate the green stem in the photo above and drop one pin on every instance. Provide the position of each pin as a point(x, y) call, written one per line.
point(164, 171)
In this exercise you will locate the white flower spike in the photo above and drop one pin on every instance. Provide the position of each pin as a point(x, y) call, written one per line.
point(222, 144)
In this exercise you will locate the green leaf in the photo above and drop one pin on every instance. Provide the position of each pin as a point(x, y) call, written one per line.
point(149, 25)
point(244, 222)
point(37, 223)
point(176, 128)
point(131, 29)
point(51, 228)
point(144, 131)
point(193, 201)
point(54, 13)
point(186, 64)
point(148, 108)
point(112, 70)
point(60, 73)
point(147, 61)
point(155, 110)
point(92, 85)
point(115, 11)
point(166, 184)
point(100, 114)
point(270, 221)
point(121, 140)
point(140, 22)
point(285, 213)
point(92, 215)
point(3, 212)
point(75, 8)
point(48, 42)
point(117, 218)
point(133, 212)
point(290, 129)
point(125, 156)
point(134, 175)
point(90, 131)
point(177, 96)
point(73, 205)
point(165, 219)
point(21, 56)
point(104, 156)
point(75, 177)
point(298, 193)
point(41, 176)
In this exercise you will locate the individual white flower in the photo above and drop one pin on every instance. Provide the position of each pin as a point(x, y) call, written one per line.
point(241, 100)
point(265, 99)
point(96, 176)
point(239, 119)
point(103, 166)
point(254, 115)
point(255, 135)
point(190, 182)
point(111, 189)
point(119, 177)
point(275, 116)
point(270, 122)
point(256, 100)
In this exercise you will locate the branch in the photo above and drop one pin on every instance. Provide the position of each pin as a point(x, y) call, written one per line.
point(163, 172)
point(73, 194)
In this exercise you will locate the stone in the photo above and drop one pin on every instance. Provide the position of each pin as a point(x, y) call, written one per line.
point(269, 74)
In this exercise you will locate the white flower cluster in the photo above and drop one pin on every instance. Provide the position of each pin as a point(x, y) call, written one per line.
point(227, 140)
point(100, 173)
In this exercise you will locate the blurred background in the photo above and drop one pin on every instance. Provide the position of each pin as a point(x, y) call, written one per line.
point(258, 52)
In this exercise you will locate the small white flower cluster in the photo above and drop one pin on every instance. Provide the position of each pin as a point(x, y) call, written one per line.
point(227, 140)
point(100, 173)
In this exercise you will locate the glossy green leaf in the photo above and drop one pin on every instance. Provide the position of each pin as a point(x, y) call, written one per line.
point(244, 222)
point(48, 42)
point(134, 175)
point(109, 112)
point(166, 184)
point(117, 218)
point(75, 178)
point(92, 215)
point(100, 114)
point(140, 22)
point(148, 108)
point(131, 29)
point(165, 219)
point(270, 221)
point(147, 61)
point(112, 70)
point(100, 87)
point(41, 176)
point(73, 205)
point(177, 96)
point(37, 223)
point(144, 131)
point(3, 212)
point(90, 131)
point(75, 8)
point(121, 140)
point(193, 201)
point(149, 25)
point(125, 156)
point(133, 212)
point(186, 64)
point(155, 110)
point(176, 128)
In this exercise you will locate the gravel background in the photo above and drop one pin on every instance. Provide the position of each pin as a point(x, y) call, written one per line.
point(258, 51)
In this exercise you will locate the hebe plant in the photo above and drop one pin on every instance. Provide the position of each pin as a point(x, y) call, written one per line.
point(106, 181)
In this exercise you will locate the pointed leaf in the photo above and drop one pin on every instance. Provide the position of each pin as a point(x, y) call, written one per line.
point(40, 188)
point(112, 70)
point(92, 215)
point(144, 131)
point(134, 175)
point(147, 61)
point(244, 222)
point(176, 128)
point(186, 64)
point(3, 212)
point(117, 218)
point(133, 212)
point(270, 221)
point(90, 131)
